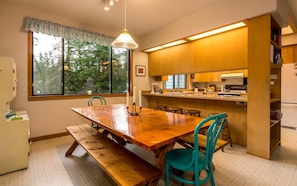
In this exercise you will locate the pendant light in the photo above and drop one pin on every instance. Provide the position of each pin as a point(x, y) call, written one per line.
point(124, 40)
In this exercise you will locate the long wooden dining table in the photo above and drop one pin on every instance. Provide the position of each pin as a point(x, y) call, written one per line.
point(151, 129)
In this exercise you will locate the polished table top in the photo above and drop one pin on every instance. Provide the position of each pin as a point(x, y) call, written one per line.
point(151, 129)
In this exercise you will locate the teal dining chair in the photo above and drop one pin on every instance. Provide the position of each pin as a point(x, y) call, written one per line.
point(185, 160)
point(93, 98)
point(99, 99)
point(102, 101)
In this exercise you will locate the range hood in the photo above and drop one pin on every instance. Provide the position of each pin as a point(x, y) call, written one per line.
point(231, 75)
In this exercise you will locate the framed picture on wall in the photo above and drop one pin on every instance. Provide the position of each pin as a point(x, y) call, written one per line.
point(140, 70)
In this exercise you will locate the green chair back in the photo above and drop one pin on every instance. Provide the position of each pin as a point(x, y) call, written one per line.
point(192, 160)
point(100, 98)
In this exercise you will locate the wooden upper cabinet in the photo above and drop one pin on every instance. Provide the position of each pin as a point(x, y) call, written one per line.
point(155, 64)
point(208, 77)
point(216, 76)
point(289, 54)
point(170, 61)
point(225, 51)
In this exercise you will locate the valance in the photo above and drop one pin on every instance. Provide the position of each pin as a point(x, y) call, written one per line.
point(67, 32)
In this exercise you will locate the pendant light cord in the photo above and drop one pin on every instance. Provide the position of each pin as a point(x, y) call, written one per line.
point(125, 13)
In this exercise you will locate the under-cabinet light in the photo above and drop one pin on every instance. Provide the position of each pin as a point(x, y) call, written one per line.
point(174, 43)
point(153, 49)
point(216, 31)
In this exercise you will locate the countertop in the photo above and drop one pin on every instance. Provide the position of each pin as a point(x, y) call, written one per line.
point(199, 95)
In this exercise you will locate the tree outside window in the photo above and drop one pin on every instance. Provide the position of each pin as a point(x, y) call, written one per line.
point(71, 67)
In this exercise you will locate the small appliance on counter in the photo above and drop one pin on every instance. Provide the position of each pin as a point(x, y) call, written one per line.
point(211, 88)
point(233, 90)
point(236, 88)
point(156, 88)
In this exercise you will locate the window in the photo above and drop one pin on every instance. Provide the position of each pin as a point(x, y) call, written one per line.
point(68, 67)
point(176, 81)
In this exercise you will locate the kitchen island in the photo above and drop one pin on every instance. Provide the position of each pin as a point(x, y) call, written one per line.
point(207, 103)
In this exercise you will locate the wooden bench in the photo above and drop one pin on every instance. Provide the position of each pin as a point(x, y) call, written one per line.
point(123, 166)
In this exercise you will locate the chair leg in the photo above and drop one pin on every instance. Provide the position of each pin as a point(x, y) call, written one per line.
point(211, 177)
point(167, 174)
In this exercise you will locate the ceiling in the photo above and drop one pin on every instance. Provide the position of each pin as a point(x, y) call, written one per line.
point(143, 16)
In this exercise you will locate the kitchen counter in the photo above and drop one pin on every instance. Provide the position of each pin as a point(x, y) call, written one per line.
point(207, 103)
point(200, 95)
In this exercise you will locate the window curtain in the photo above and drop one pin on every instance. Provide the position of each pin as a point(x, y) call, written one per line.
point(67, 32)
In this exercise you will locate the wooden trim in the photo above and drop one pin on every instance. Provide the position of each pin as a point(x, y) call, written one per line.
point(49, 136)
point(30, 58)
point(63, 97)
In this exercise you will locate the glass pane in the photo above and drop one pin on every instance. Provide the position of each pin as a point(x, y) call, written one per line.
point(180, 81)
point(119, 70)
point(169, 82)
point(176, 81)
point(47, 65)
point(86, 68)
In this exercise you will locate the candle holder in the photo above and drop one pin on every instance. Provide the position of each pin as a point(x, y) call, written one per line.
point(134, 112)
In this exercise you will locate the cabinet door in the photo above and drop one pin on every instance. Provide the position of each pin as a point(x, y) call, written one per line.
point(154, 64)
point(208, 77)
point(225, 51)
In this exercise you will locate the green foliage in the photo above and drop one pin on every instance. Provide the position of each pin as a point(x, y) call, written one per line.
point(86, 66)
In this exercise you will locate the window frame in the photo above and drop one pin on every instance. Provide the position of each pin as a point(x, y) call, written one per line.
point(32, 97)
point(174, 81)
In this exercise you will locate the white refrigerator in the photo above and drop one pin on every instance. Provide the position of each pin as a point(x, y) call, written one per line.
point(289, 95)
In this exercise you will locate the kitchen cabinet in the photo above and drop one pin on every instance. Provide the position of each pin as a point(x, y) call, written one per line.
point(161, 78)
point(207, 77)
point(216, 76)
point(264, 85)
point(225, 51)
point(173, 60)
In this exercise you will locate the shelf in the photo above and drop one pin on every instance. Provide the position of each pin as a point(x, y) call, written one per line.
point(274, 122)
point(274, 100)
point(265, 62)
point(276, 46)
point(272, 65)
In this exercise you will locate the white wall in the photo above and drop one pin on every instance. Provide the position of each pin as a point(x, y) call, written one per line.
point(47, 117)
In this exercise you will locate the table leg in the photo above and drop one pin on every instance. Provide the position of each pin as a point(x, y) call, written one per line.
point(71, 148)
point(160, 158)
point(160, 155)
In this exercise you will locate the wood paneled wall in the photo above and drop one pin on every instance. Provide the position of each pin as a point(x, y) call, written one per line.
point(289, 54)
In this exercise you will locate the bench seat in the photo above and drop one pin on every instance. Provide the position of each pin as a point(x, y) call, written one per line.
point(123, 166)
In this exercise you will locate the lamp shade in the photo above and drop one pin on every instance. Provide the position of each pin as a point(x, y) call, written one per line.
point(124, 40)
